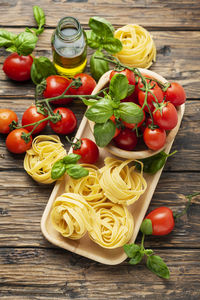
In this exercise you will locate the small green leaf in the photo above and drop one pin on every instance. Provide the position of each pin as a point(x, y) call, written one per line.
point(146, 227)
point(118, 88)
point(7, 38)
point(25, 43)
point(100, 112)
point(41, 68)
point(76, 171)
point(89, 102)
point(104, 133)
point(39, 16)
point(130, 249)
point(130, 112)
point(71, 158)
point(97, 66)
point(131, 89)
point(93, 40)
point(137, 257)
point(112, 45)
point(58, 169)
point(158, 266)
point(11, 49)
point(101, 27)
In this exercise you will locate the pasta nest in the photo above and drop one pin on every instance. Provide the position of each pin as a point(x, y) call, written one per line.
point(138, 46)
point(45, 151)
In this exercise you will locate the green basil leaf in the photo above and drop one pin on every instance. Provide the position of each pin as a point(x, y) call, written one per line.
point(112, 45)
point(100, 112)
point(89, 102)
point(131, 89)
point(118, 88)
point(7, 38)
point(25, 43)
point(146, 227)
point(130, 112)
point(130, 249)
point(71, 158)
point(41, 68)
point(137, 257)
point(154, 163)
point(158, 266)
point(101, 27)
point(11, 49)
point(58, 169)
point(104, 133)
point(39, 16)
point(97, 66)
point(76, 171)
point(93, 40)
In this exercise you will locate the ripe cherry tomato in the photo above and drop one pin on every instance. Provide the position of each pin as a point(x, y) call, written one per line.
point(128, 73)
point(126, 140)
point(88, 150)
point(56, 85)
point(166, 117)
point(156, 91)
point(162, 220)
point(117, 130)
point(15, 143)
point(175, 94)
point(31, 116)
point(6, 117)
point(88, 84)
point(154, 138)
point(133, 125)
point(68, 121)
point(18, 67)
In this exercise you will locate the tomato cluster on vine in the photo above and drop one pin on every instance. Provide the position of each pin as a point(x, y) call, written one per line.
point(159, 103)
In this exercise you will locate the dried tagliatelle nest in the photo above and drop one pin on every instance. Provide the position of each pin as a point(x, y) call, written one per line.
point(138, 46)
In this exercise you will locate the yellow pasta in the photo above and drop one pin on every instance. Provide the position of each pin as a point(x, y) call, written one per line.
point(88, 187)
point(113, 227)
point(71, 215)
point(120, 183)
point(138, 46)
point(45, 151)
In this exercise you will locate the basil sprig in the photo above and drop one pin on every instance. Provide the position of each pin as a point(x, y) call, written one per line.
point(101, 37)
point(100, 111)
point(68, 164)
point(41, 68)
point(136, 253)
point(24, 43)
point(154, 163)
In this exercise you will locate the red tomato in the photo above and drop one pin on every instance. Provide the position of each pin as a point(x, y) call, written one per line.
point(133, 125)
point(18, 67)
point(162, 220)
point(126, 140)
point(154, 138)
point(166, 117)
point(175, 94)
point(68, 121)
point(156, 91)
point(56, 85)
point(88, 85)
point(117, 130)
point(6, 117)
point(15, 143)
point(88, 150)
point(31, 116)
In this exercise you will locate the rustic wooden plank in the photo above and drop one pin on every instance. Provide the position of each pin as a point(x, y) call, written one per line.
point(178, 59)
point(184, 14)
point(22, 202)
point(185, 141)
point(56, 274)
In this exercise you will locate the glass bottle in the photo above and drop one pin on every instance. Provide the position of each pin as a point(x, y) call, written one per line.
point(69, 47)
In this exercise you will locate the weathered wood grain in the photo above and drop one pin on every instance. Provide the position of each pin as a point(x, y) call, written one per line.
point(178, 59)
point(22, 202)
point(56, 274)
point(186, 141)
point(180, 14)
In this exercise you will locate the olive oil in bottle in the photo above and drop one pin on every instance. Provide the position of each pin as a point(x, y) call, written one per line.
point(69, 47)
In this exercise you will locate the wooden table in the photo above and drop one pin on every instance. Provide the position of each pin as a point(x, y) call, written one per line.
point(32, 268)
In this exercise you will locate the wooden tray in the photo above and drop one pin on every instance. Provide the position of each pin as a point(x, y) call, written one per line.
point(85, 246)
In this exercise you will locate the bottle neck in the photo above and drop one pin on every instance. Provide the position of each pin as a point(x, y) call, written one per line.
point(69, 29)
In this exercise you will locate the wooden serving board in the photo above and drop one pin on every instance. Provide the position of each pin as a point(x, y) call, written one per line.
point(85, 246)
